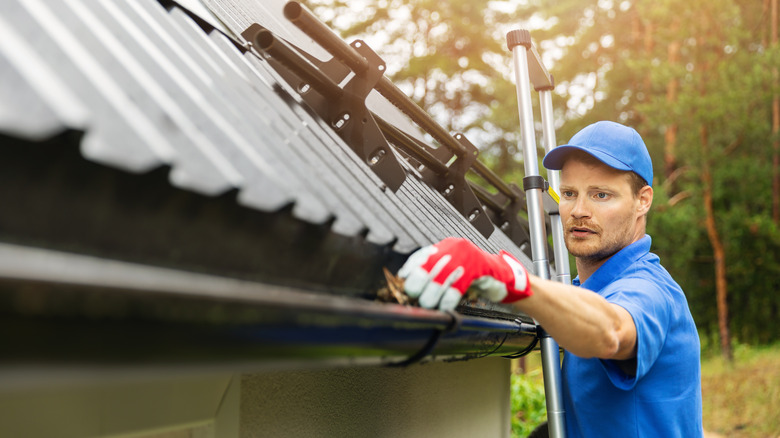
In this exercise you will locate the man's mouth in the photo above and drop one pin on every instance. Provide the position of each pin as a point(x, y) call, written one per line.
point(581, 231)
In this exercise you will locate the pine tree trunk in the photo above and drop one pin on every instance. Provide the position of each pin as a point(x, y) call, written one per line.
point(775, 123)
point(719, 253)
point(670, 136)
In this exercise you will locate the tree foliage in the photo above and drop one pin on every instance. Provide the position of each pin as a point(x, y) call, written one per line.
point(527, 403)
point(696, 78)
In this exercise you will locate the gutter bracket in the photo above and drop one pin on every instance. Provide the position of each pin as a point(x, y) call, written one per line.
point(526, 327)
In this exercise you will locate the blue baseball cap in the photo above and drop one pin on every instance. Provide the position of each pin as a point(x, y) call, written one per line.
point(615, 145)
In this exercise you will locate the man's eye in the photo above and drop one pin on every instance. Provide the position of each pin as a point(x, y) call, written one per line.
point(602, 195)
point(568, 193)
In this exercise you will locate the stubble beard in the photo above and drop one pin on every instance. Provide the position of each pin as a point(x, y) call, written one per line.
point(597, 247)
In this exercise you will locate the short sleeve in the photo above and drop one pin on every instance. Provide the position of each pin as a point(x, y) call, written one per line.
point(650, 309)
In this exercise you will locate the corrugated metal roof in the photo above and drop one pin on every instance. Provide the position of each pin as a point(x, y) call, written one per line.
point(149, 88)
point(167, 191)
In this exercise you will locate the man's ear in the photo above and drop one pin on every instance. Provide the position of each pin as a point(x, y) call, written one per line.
point(645, 200)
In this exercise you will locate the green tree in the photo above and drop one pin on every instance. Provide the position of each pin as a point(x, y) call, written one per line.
point(721, 155)
point(696, 78)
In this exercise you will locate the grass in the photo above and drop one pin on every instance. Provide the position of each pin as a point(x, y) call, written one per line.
point(740, 399)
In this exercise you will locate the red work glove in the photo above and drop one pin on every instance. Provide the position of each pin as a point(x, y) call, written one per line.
point(440, 274)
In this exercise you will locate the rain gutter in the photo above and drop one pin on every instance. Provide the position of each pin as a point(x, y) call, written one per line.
point(67, 309)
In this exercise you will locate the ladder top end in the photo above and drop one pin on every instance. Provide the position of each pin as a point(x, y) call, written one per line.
point(518, 37)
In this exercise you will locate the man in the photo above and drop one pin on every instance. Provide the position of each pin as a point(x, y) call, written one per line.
point(631, 366)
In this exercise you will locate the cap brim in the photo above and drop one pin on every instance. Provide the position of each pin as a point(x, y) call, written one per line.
point(555, 159)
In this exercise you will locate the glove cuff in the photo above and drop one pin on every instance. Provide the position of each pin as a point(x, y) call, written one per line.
point(516, 279)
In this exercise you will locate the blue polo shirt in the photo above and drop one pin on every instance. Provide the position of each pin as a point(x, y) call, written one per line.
point(663, 399)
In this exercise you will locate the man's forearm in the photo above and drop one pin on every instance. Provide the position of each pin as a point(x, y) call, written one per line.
point(581, 321)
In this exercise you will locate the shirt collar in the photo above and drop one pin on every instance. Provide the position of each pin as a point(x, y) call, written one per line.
point(616, 264)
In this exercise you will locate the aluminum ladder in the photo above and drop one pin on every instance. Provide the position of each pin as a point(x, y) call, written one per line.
point(541, 197)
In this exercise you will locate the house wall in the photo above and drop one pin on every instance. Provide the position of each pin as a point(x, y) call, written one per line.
point(462, 399)
point(137, 404)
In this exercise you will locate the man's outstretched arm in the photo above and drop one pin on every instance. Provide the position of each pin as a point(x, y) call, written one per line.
point(581, 321)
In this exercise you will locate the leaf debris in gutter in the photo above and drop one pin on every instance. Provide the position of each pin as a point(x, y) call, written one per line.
point(393, 292)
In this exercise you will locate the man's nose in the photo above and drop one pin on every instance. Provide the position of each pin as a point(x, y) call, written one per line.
point(580, 208)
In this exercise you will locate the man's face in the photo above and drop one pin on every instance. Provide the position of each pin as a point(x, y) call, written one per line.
point(600, 214)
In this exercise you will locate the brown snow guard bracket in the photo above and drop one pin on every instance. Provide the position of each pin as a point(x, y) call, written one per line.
point(344, 108)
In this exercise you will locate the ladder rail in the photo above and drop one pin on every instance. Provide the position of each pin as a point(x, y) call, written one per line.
point(561, 256)
point(519, 42)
